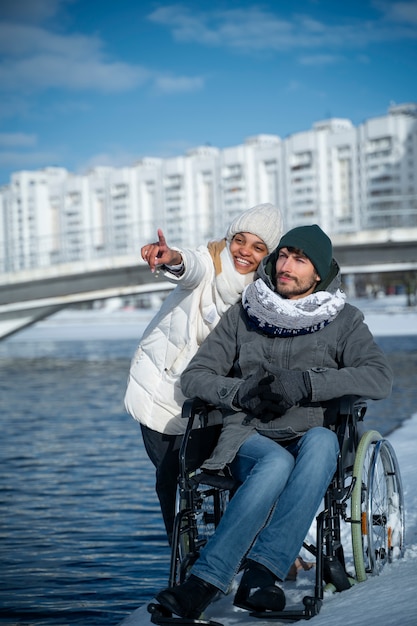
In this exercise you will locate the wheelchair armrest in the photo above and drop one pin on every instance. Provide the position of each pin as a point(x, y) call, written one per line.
point(192, 406)
point(352, 405)
point(196, 406)
point(197, 444)
point(341, 409)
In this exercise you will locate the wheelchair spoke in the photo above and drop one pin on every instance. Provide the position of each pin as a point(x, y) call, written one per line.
point(377, 501)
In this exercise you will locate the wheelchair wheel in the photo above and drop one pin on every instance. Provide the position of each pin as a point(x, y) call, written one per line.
point(377, 506)
point(198, 524)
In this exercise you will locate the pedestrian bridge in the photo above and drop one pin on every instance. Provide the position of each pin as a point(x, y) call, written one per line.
point(30, 295)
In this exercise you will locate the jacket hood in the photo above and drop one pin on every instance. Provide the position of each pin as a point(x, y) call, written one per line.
point(267, 272)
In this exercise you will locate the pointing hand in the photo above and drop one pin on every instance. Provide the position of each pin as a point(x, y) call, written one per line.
point(158, 253)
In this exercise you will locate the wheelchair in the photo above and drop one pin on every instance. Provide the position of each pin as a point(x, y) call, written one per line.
point(364, 502)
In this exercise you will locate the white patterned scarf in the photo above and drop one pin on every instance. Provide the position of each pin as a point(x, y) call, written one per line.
point(229, 284)
point(279, 317)
point(215, 298)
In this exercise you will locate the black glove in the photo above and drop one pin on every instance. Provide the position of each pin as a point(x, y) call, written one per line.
point(288, 388)
point(251, 391)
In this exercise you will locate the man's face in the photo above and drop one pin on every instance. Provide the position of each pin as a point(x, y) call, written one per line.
point(296, 275)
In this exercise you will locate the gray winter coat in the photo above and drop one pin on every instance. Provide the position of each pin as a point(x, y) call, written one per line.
point(341, 358)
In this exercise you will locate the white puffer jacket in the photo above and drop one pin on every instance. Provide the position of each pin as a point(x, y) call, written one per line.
point(188, 314)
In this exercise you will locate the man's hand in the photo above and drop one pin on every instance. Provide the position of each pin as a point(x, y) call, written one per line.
point(251, 392)
point(159, 253)
point(288, 388)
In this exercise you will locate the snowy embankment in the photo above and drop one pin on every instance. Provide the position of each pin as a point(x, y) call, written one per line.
point(388, 316)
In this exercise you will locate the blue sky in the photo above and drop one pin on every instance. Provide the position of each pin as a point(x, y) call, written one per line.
point(90, 82)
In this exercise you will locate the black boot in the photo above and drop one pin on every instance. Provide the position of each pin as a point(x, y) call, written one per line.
point(188, 599)
point(257, 590)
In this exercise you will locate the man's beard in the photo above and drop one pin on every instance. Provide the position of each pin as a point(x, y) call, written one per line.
point(295, 288)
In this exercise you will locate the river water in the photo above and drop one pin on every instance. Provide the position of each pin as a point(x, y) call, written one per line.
point(82, 541)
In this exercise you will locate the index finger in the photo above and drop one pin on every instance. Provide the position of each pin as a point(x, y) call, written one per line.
point(161, 238)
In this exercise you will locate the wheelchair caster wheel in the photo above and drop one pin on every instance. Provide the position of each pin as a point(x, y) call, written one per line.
point(312, 606)
point(159, 614)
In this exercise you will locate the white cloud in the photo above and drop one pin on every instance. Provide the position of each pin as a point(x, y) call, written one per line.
point(27, 160)
point(34, 59)
point(17, 140)
point(405, 12)
point(17, 40)
point(249, 28)
point(178, 84)
point(16, 152)
point(256, 29)
point(45, 71)
point(293, 85)
point(320, 59)
point(363, 58)
point(30, 10)
point(116, 158)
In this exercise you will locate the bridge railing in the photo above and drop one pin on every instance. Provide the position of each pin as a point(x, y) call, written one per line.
point(103, 247)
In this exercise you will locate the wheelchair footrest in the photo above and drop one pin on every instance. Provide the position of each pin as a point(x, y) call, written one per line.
point(312, 607)
point(160, 615)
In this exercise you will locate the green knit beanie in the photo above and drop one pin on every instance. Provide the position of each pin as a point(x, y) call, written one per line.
point(314, 243)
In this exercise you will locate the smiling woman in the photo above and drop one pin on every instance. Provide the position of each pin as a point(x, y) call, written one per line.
point(209, 280)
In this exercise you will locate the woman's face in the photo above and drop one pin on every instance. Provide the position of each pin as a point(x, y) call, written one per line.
point(247, 251)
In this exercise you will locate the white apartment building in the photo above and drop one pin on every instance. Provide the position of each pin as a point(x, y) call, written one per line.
point(316, 169)
point(31, 211)
point(249, 174)
point(388, 153)
point(345, 178)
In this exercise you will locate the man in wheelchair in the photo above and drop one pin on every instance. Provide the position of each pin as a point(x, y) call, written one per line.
point(270, 365)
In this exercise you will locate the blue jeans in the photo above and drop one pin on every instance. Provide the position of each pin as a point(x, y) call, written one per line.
point(269, 516)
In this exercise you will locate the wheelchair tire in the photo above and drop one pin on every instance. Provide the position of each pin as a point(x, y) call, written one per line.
point(377, 506)
point(199, 523)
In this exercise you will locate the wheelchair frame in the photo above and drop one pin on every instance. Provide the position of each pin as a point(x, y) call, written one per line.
point(365, 492)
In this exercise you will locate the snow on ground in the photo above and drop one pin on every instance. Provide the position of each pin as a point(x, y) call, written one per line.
point(383, 600)
point(388, 316)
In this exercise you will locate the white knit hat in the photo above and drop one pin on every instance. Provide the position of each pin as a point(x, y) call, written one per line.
point(263, 220)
